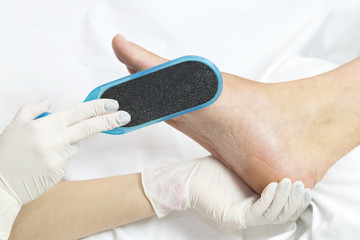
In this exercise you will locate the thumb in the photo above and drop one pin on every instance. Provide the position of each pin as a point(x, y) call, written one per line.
point(31, 111)
point(135, 57)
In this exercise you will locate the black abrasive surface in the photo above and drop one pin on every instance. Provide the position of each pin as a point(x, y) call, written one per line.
point(164, 92)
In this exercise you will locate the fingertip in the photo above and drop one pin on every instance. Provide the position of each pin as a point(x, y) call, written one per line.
point(298, 187)
point(45, 101)
point(307, 195)
point(32, 111)
point(111, 105)
point(270, 190)
point(284, 187)
point(299, 183)
point(123, 118)
point(285, 181)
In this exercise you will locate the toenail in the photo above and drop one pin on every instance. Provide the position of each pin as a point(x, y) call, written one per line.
point(121, 35)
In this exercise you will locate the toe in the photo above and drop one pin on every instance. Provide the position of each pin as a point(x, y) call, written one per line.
point(134, 56)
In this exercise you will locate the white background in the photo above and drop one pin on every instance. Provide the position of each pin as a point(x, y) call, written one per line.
point(62, 50)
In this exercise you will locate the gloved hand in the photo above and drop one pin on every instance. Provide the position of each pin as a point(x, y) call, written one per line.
point(35, 154)
point(209, 187)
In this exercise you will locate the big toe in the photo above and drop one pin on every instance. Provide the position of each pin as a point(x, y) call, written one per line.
point(134, 56)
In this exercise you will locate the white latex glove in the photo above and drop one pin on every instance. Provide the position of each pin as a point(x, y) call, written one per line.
point(209, 187)
point(35, 154)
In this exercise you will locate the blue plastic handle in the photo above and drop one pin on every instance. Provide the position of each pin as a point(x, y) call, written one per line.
point(97, 92)
point(42, 115)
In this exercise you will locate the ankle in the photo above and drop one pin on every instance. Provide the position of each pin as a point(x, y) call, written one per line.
point(345, 84)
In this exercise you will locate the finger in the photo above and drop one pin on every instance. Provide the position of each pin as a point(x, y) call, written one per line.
point(293, 203)
point(304, 205)
point(86, 110)
point(133, 55)
point(96, 125)
point(279, 201)
point(255, 211)
point(31, 111)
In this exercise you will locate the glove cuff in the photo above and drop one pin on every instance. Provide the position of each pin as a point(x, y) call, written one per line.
point(165, 191)
point(9, 209)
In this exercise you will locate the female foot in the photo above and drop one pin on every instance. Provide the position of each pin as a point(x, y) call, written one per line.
point(267, 132)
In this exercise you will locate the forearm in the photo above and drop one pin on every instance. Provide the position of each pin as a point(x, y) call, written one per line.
point(72, 210)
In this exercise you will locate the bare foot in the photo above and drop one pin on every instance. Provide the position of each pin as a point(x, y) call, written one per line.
point(266, 132)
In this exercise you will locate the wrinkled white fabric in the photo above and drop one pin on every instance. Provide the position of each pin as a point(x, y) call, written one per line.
point(62, 50)
point(212, 189)
point(35, 154)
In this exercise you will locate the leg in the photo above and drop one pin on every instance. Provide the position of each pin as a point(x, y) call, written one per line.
point(97, 205)
point(266, 132)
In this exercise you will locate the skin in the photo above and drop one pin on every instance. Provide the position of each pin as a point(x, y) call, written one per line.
point(267, 132)
point(72, 210)
point(263, 132)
